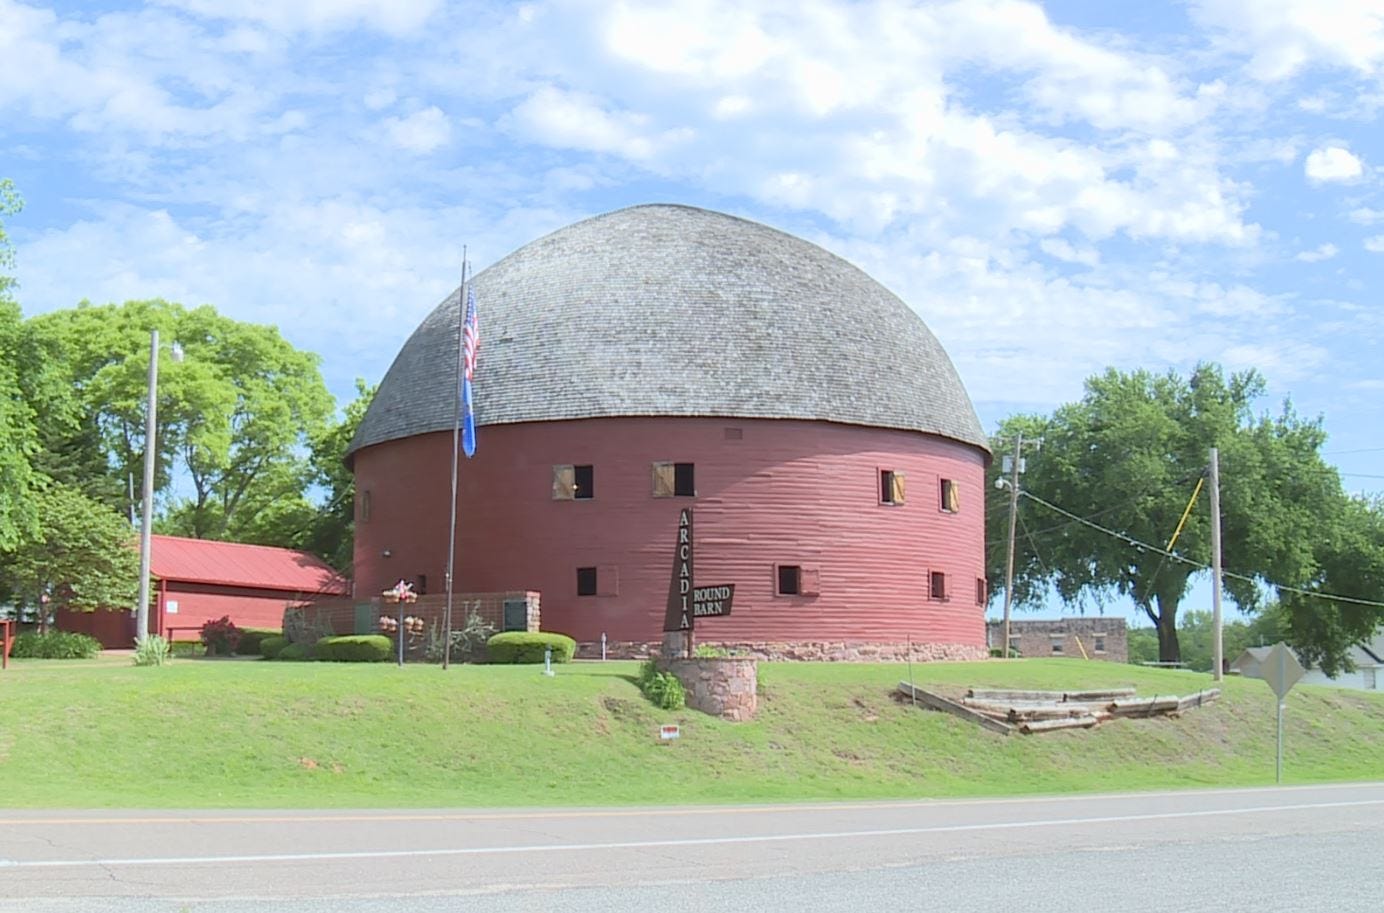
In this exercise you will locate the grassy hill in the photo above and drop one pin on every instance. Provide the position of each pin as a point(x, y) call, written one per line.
point(206, 733)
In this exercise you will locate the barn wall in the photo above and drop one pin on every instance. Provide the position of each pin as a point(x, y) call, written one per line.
point(778, 492)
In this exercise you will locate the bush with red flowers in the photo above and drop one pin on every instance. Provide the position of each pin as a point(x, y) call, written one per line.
point(221, 636)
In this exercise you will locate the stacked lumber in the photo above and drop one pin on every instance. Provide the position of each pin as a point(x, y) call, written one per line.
point(1044, 711)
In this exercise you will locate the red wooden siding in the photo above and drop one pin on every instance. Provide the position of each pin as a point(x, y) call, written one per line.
point(784, 492)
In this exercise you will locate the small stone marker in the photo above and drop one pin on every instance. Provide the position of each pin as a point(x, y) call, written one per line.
point(669, 732)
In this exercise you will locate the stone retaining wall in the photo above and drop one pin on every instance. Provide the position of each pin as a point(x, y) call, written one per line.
point(805, 651)
point(727, 688)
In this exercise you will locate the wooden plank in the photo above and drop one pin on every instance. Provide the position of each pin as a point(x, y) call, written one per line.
point(1109, 694)
point(1076, 722)
point(996, 694)
point(937, 702)
point(1058, 712)
point(1144, 707)
point(1198, 699)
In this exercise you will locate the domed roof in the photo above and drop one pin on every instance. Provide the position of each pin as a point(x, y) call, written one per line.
point(673, 310)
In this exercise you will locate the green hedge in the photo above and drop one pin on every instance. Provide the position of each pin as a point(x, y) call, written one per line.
point(524, 647)
point(271, 646)
point(292, 651)
point(355, 648)
point(251, 638)
point(54, 645)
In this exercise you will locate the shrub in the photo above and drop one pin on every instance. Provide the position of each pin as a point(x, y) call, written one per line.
point(270, 646)
point(180, 649)
point(221, 636)
point(468, 642)
point(710, 651)
point(304, 632)
point(526, 647)
point(250, 639)
point(662, 688)
point(355, 648)
point(54, 645)
point(293, 652)
point(152, 651)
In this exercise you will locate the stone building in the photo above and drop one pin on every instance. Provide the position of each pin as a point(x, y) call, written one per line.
point(1079, 638)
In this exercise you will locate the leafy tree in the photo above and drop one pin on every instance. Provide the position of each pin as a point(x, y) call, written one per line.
point(81, 557)
point(233, 417)
point(333, 532)
point(1127, 457)
point(18, 437)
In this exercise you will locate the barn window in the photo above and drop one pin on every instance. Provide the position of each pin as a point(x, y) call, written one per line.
point(674, 480)
point(365, 506)
point(586, 581)
point(891, 487)
point(574, 483)
point(982, 596)
point(938, 582)
point(735, 434)
point(1099, 642)
point(1057, 643)
point(951, 496)
point(420, 584)
point(608, 580)
point(789, 579)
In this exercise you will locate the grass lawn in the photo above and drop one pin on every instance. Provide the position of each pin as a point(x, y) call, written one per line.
point(214, 733)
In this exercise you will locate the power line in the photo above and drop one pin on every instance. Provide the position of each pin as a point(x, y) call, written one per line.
point(1197, 564)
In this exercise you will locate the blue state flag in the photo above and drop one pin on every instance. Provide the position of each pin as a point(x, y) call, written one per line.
point(470, 343)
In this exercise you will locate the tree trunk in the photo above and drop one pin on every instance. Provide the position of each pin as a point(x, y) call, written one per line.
point(1168, 649)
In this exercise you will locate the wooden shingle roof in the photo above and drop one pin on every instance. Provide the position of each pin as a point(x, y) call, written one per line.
point(673, 310)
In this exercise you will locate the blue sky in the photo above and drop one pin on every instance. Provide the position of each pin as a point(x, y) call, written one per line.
point(1054, 187)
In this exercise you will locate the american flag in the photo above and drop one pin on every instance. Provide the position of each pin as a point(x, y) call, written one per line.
point(470, 343)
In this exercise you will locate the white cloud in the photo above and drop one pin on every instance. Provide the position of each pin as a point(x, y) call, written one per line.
point(1366, 216)
point(1283, 37)
point(581, 121)
point(392, 16)
point(1069, 253)
point(1375, 244)
point(1332, 163)
point(423, 131)
point(1318, 254)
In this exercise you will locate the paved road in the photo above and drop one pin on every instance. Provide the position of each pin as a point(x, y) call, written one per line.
point(1298, 849)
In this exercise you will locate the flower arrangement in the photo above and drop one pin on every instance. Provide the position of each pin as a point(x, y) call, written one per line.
point(413, 626)
point(400, 592)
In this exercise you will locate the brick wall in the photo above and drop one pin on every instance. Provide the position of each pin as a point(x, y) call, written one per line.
point(1076, 638)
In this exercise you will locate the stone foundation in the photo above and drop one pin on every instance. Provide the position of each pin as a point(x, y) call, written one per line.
point(727, 688)
point(801, 651)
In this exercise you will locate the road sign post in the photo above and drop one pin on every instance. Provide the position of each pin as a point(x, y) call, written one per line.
point(1281, 670)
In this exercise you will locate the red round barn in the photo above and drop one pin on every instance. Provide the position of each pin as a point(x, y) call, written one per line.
point(663, 357)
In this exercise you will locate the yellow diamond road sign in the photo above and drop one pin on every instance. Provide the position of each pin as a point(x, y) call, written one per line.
point(1281, 669)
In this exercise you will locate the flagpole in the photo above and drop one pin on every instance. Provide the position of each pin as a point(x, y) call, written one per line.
point(456, 448)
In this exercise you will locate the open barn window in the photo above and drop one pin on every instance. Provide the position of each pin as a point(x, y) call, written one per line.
point(674, 480)
point(586, 581)
point(891, 486)
point(982, 594)
point(938, 585)
point(789, 579)
point(950, 497)
point(574, 483)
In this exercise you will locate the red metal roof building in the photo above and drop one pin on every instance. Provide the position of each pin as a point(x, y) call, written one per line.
point(198, 580)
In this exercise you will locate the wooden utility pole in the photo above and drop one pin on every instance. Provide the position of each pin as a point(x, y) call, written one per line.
point(1013, 522)
point(1217, 659)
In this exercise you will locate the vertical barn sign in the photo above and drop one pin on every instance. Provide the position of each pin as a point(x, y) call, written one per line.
point(679, 616)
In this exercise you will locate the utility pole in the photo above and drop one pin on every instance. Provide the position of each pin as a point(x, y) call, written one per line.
point(1013, 522)
point(147, 521)
point(1217, 659)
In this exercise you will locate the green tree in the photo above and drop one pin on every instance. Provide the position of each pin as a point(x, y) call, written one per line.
point(234, 416)
point(18, 431)
point(1127, 457)
point(82, 556)
point(333, 533)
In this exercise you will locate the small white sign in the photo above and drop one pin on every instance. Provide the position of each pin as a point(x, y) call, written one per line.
point(669, 732)
point(171, 607)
